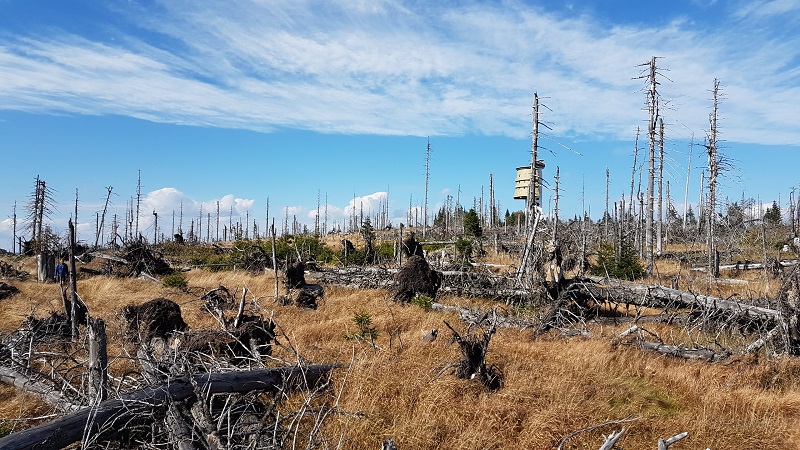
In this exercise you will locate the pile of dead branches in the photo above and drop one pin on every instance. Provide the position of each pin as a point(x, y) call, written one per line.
point(254, 258)
point(9, 272)
point(187, 387)
point(7, 290)
point(141, 258)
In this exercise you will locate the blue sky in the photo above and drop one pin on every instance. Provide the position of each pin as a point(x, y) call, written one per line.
point(240, 101)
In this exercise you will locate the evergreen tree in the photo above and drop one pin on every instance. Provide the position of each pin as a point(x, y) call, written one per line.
point(627, 266)
point(773, 214)
point(368, 233)
point(472, 224)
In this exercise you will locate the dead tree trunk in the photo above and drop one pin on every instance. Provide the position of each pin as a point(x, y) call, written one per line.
point(473, 358)
point(790, 311)
point(98, 360)
point(713, 172)
point(73, 282)
point(652, 103)
point(660, 228)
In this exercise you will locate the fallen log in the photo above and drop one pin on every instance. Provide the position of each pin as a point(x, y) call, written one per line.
point(105, 419)
point(16, 378)
point(684, 352)
point(747, 265)
point(653, 295)
point(479, 317)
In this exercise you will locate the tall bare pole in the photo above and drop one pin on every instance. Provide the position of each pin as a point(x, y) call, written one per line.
point(492, 218)
point(76, 208)
point(103, 217)
point(531, 208)
point(200, 224)
point(316, 215)
point(138, 202)
point(73, 281)
point(652, 106)
point(555, 209)
point(14, 232)
point(267, 224)
point(701, 205)
point(180, 220)
point(688, 171)
point(660, 227)
point(633, 171)
point(427, 179)
point(669, 208)
point(606, 216)
point(713, 173)
point(155, 227)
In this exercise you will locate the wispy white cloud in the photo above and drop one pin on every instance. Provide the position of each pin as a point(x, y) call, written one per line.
point(768, 8)
point(391, 68)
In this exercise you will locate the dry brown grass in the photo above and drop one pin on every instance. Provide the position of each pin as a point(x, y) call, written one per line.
point(553, 386)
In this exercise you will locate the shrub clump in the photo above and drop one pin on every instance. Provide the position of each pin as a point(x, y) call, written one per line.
point(423, 301)
point(626, 265)
point(366, 332)
point(175, 280)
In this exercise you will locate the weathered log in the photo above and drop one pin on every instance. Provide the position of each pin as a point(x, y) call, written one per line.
point(683, 352)
point(105, 419)
point(652, 295)
point(611, 439)
point(663, 444)
point(479, 317)
point(747, 265)
point(16, 378)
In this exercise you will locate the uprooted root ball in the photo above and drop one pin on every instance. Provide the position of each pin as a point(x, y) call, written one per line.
point(416, 277)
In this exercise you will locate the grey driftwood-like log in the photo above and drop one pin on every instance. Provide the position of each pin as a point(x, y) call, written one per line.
point(684, 352)
point(652, 295)
point(474, 284)
point(16, 378)
point(103, 420)
point(747, 265)
point(479, 317)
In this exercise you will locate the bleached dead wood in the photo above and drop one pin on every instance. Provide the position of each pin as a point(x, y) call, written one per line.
point(16, 378)
point(760, 342)
point(748, 265)
point(475, 284)
point(663, 444)
point(109, 416)
point(593, 427)
point(478, 316)
point(653, 295)
point(684, 352)
point(611, 439)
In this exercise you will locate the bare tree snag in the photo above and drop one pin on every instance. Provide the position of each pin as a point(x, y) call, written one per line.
point(105, 419)
point(652, 105)
point(473, 358)
point(713, 173)
point(790, 311)
point(98, 360)
point(73, 282)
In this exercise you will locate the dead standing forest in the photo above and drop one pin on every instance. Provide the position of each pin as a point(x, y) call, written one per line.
point(643, 329)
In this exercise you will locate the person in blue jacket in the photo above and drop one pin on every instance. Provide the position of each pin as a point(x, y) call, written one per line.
point(62, 272)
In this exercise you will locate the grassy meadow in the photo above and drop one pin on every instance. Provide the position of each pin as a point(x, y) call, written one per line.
point(553, 386)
